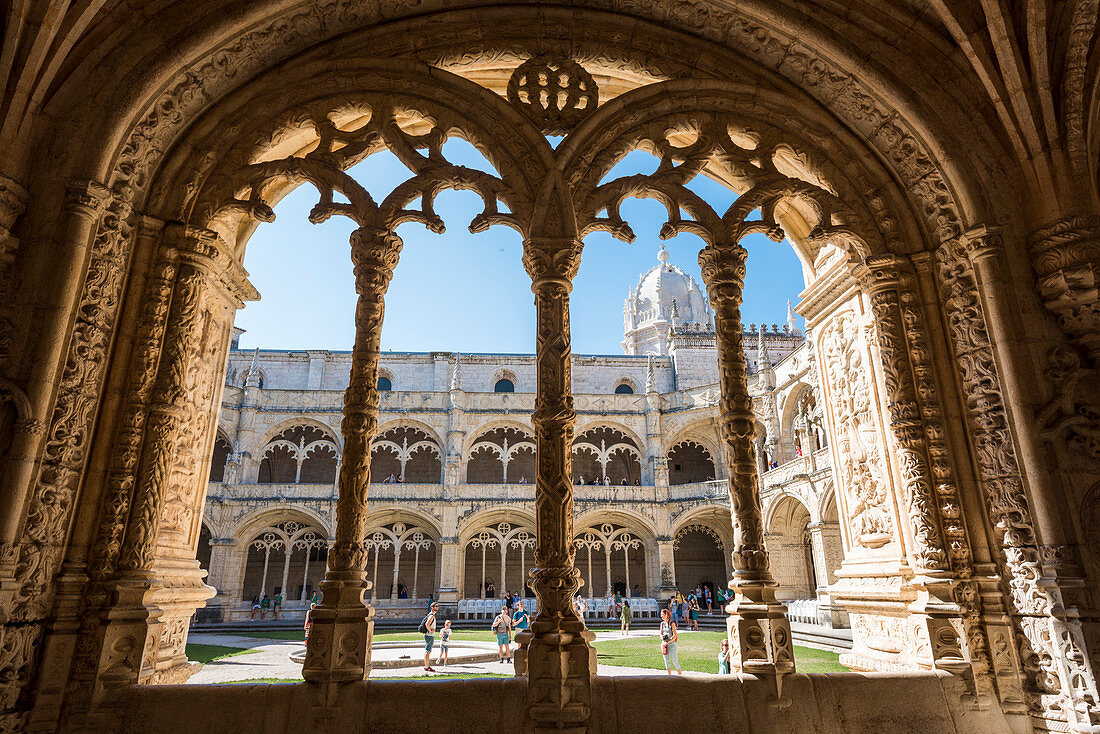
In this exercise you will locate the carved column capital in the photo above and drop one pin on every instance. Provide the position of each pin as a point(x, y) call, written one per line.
point(982, 243)
point(87, 198)
point(1066, 258)
point(552, 258)
point(883, 272)
point(206, 250)
point(13, 202)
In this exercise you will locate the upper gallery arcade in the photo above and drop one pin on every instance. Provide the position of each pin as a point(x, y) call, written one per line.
point(934, 167)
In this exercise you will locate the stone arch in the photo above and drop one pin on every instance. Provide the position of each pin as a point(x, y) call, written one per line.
point(701, 547)
point(387, 374)
point(611, 554)
point(605, 451)
point(689, 461)
point(222, 448)
point(503, 374)
point(931, 182)
point(403, 548)
point(624, 380)
point(305, 420)
point(406, 453)
point(501, 454)
point(497, 551)
point(790, 548)
point(300, 454)
point(281, 547)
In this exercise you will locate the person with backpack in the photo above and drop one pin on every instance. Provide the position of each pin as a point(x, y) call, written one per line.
point(502, 625)
point(427, 628)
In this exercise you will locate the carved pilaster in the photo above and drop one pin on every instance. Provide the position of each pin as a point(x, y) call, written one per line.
point(759, 632)
point(1066, 259)
point(556, 652)
point(339, 640)
point(1059, 686)
point(885, 278)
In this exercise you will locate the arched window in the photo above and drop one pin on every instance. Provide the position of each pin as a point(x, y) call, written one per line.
point(504, 386)
point(624, 389)
point(385, 384)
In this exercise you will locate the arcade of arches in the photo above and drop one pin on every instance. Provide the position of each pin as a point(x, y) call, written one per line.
point(932, 164)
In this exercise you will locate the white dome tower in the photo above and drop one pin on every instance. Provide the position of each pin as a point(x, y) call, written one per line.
point(664, 295)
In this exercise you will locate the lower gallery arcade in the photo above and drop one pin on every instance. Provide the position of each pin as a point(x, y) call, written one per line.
point(953, 339)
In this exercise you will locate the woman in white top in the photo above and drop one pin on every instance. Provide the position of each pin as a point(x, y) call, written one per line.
point(668, 643)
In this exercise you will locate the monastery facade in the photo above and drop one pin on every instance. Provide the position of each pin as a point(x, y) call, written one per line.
point(453, 466)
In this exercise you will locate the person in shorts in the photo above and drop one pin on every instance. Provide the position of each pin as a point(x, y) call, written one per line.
point(520, 617)
point(444, 644)
point(502, 625)
point(428, 628)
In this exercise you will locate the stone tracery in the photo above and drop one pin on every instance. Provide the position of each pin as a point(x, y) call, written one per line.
point(999, 474)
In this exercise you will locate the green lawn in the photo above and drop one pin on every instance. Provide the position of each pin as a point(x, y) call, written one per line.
point(698, 651)
point(442, 676)
point(209, 653)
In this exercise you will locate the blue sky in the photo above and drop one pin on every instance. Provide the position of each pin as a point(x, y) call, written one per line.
point(464, 292)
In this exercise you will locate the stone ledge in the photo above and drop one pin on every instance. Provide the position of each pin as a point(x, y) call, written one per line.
point(845, 703)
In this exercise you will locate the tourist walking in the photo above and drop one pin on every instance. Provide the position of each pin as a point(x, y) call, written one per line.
point(710, 600)
point(693, 610)
point(502, 625)
point(669, 638)
point(427, 628)
point(624, 615)
point(444, 644)
point(724, 657)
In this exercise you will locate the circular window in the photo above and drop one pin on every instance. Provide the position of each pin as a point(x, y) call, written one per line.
point(504, 386)
point(624, 389)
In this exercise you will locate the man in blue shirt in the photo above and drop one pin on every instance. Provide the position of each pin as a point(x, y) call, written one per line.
point(520, 617)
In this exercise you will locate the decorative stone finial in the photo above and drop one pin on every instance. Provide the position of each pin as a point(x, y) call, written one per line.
point(763, 359)
point(650, 378)
point(791, 323)
point(454, 372)
point(662, 254)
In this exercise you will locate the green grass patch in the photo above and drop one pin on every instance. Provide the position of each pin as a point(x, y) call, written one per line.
point(698, 652)
point(441, 676)
point(209, 653)
point(298, 635)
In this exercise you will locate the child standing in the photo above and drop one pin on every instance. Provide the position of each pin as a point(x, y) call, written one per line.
point(444, 644)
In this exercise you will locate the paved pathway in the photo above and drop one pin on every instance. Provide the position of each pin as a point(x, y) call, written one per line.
point(271, 659)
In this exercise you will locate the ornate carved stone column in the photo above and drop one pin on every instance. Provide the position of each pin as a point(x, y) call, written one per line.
point(759, 632)
point(928, 483)
point(556, 652)
point(128, 638)
point(339, 641)
point(1043, 587)
point(13, 202)
point(84, 203)
point(1066, 258)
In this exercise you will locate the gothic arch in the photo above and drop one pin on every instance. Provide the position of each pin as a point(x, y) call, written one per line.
point(272, 431)
point(250, 523)
point(469, 526)
point(636, 522)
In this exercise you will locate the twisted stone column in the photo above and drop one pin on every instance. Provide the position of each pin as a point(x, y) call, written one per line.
point(759, 632)
point(339, 640)
point(556, 652)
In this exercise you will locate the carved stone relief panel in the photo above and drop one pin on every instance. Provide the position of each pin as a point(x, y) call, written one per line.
point(863, 477)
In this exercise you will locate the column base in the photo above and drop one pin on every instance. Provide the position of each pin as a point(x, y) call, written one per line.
point(759, 631)
point(340, 633)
